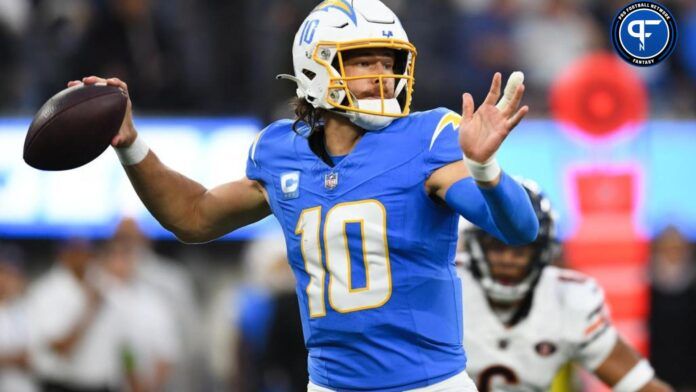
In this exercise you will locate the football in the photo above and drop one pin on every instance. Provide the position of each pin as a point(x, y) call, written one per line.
point(74, 127)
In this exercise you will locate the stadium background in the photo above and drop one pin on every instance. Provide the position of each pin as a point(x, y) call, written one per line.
point(612, 145)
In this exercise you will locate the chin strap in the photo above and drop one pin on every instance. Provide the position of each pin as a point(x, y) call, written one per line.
point(369, 122)
point(373, 122)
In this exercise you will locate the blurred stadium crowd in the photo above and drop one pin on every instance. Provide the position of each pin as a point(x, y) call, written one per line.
point(220, 57)
point(115, 315)
point(184, 321)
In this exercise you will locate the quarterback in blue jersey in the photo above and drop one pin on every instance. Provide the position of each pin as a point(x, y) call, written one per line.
point(368, 195)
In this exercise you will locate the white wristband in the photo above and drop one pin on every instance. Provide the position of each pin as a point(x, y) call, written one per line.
point(483, 172)
point(636, 378)
point(133, 154)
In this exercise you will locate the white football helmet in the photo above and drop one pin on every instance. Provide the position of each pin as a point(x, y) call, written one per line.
point(546, 250)
point(337, 26)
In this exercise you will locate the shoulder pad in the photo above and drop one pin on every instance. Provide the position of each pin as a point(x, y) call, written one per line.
point(583, 303)
point(269, 139)
point(433, 122)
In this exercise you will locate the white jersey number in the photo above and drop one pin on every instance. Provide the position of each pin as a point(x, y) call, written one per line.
point(343, 297)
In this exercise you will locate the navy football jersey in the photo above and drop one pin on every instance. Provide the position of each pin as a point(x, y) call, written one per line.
point(373, 254)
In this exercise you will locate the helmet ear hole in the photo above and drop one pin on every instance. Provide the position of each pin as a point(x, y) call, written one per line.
point(309, 74)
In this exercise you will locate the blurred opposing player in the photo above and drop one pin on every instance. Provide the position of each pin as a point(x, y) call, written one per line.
point(525, 319)
point(368, 195)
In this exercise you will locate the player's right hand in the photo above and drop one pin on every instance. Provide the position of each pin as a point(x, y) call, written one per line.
point(126, 134)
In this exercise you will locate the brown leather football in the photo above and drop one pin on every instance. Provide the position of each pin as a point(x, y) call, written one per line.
point(74, 127)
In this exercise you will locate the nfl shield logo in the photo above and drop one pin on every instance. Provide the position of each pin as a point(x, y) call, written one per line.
point(331, 181)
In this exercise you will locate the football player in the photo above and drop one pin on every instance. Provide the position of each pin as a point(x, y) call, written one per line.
point(524, 318)
point(368, 195)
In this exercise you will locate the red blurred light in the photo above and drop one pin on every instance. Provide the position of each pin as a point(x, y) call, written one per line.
point(599, 94)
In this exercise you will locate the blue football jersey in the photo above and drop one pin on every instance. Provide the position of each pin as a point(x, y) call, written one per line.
point(373, 254)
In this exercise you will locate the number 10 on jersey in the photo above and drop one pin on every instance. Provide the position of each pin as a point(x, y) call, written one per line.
point(343, 298)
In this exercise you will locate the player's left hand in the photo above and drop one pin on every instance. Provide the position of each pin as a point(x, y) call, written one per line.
point(482, 132)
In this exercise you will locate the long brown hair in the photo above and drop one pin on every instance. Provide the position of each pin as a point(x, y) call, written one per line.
point(307, 114)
